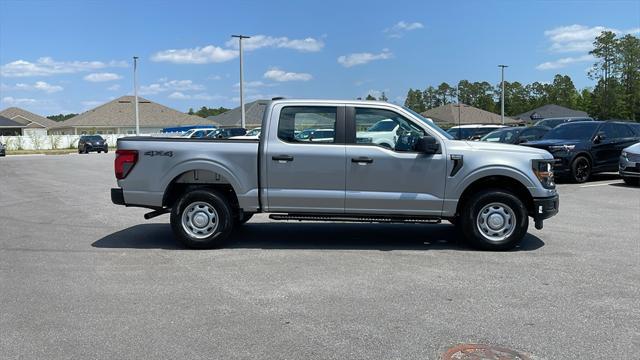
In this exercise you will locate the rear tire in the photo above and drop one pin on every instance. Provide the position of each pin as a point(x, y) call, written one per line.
point(580, 169)
point(202, 219)
point(495, 220)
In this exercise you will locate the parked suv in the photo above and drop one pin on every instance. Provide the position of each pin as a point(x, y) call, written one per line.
point(516, 135)
point(586, 147)
point(89, 143)
point(553, 122)
point(226, 133)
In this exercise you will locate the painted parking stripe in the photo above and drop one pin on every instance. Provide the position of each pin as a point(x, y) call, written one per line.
point(601, 184)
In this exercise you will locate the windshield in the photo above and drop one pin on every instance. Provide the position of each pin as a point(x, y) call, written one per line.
point(383, 125)
point(572, 131)
point(94, 138)
point(494, 136)
point(254, 132)
point(550, 122)
point(430, 123)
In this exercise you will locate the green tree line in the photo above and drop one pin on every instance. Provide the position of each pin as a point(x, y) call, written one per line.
point(61, 117)
point(616, 94)
point(206, 111)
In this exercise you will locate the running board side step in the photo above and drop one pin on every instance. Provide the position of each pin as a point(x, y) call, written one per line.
point(357, 218)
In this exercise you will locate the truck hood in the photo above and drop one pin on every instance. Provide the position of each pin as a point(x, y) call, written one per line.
point(508, 148)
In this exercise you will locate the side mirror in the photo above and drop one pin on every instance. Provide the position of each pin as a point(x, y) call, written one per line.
point(427, 145)
point(599, 137)
point(521, 140)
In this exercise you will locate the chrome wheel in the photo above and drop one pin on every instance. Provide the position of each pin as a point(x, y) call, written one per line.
point(496, 221)
point(199, 220)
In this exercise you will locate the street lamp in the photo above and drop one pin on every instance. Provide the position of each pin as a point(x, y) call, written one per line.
point(502, 95)
point(240, 37)
point(135, 93)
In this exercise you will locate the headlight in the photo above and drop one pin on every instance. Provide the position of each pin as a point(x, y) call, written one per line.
point(562, 147)
point(543, 169)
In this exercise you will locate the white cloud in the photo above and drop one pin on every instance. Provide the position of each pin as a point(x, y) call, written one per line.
point(253, 85)
point(100, 77)
point(281, 75)
point(170, 85)
point(398, 30)
point(46, 66)
point(578, 38)
point(202, 96)
point(560, 63)
point(363, 58)
point(37, 86)
point(178, 95)
point(114, 87)
point(214, 77)
point(260, 41)
point(11, 101)
point(198, 55)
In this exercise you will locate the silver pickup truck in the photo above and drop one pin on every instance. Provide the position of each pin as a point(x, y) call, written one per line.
point(211, 186)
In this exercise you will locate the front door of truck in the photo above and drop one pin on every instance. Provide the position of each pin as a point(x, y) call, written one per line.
point(305, 160)
point(394, 180)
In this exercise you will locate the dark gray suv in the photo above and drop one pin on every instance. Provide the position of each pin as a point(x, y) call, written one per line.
point(89, 143)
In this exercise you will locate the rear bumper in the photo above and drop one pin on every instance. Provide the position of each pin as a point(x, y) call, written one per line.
point(117, 196)
point(544, 208)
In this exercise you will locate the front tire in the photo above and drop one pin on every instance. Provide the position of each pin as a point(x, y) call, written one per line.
point(580, 169)
point(243, 218)
point(631, 181)
point(202, 219)
point(494, 220)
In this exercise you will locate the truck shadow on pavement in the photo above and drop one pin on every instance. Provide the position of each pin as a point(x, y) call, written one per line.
point(324, 236)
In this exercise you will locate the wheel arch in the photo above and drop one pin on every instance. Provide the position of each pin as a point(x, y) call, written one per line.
point(496, 182)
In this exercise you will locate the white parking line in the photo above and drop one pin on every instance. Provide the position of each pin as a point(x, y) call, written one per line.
point(601, 184)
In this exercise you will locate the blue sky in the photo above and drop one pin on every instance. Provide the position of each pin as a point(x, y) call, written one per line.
point(69, 56)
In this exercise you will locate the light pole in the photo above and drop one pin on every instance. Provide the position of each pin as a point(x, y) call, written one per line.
point(242, 120)
point(135, 93)
point(502, 95)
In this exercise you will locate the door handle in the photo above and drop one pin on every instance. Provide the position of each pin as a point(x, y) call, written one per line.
point(284, 158)
point(362, 160)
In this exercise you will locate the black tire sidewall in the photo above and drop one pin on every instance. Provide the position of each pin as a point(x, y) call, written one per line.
point(574, 164)
point(473, 207)
point(245, 216)
point(225, 219)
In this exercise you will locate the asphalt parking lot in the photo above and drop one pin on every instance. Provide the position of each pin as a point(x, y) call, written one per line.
point(81, 278)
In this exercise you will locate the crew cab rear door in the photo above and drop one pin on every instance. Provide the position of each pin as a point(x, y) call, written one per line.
point(305, 175)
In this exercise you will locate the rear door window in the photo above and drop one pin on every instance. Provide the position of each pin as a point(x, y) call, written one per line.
point(308, 124)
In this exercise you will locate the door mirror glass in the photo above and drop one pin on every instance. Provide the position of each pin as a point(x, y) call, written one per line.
point(599, 137)
point(427, 145)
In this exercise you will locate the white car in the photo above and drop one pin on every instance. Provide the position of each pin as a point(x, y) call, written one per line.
point(197, 133)
point(253, 134)
point(383, 133)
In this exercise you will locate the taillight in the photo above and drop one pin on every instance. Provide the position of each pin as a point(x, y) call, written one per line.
point(125, 160)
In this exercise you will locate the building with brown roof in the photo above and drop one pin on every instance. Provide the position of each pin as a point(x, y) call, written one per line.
point(118, 117)
point(450, 115)
point(28, 122)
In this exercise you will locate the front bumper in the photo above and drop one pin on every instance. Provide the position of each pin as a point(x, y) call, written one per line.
point(628, 168)
point(544, 208)
point(117, 196)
